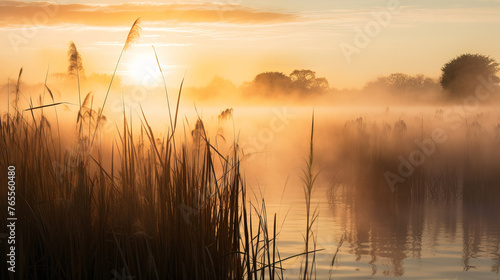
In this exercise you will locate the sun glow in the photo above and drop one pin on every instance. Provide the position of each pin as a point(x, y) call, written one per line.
point(143, 70)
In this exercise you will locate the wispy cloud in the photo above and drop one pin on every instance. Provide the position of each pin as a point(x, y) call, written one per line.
point(15, 13)
point(452, 15)
point(103, 43)
point(416, 14)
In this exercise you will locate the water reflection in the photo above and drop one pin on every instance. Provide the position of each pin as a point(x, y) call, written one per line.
point(386, 234)
point(481, 234)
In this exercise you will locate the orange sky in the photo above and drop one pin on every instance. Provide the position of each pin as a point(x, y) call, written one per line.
point(239, 39)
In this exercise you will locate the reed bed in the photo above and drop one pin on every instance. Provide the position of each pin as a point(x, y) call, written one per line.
point(158, 212)
point(457, 184)
point(161, 210)
point(154, 209)
point(464, 167)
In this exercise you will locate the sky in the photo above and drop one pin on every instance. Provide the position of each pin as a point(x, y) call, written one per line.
point(348, 42)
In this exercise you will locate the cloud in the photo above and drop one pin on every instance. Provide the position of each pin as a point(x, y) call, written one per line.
point(451, 15)
point(143, 44)
point(409, 14)
point(19, 13)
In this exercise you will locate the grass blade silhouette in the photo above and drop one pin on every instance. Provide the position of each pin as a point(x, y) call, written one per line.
point(132, 38)
point(16, 98)
point(48, 105)
point(75, 66)
point(166, 93)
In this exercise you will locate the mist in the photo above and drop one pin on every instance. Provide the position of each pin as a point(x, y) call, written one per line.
point(398, 143)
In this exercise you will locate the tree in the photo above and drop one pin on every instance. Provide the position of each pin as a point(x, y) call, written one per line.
point(305, 81)
point(270, 83)
point(299, 82)
point(462, 75)
point(400, 83)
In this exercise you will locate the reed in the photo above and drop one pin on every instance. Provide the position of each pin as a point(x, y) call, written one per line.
point(75, 66)
point(465, 167)
point(308, 179)
point(132, 39)
point(156, 211)
point(17, 91)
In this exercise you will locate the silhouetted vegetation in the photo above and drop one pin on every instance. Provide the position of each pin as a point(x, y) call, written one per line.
point(156, 213)
point(401, 84)
point(160, 208)
point(460, 175)
point(170, 209)
point(403, 161)
point(303, 83)
point(462, 75)
point(270, 84)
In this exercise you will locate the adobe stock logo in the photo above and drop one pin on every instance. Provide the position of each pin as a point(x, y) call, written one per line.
point(364, 36)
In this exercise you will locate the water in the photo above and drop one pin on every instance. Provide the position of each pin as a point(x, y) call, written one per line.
point(433, 240)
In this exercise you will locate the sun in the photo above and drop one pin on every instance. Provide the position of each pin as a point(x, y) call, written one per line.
point(144, 70)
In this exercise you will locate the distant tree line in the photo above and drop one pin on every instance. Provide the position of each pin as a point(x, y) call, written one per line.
point(303, 82)
point(400, 83)
point(460, 77)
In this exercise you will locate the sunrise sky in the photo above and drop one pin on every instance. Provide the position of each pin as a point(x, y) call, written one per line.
point(238, 39)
